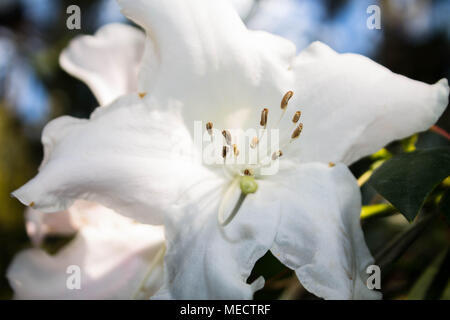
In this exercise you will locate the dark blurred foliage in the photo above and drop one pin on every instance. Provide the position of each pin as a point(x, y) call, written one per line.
point(34, 35)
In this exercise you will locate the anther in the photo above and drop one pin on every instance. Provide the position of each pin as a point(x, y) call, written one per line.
point(235, 150)
point(224, 152)
point(276, 155)
point(296, 117)
point(142, 94)
point(254, 142)
point(248, 172)
point(297, 131)
point(285, 100)
point(209, 127)
point(264, 115)
point(31, 204)
point(226, 134)
point(331, 164)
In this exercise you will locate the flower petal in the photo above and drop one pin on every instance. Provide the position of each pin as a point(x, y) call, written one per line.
point(127, 157)
point(82, 213)
point(114, 261)
point(207, 261)
point(353, 106)
point(319, 234)
point(107, 62)
point(40, 225)
point(226, 74)
point(221, 71)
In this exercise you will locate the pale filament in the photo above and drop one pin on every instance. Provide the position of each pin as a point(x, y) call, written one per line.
point(265, 155)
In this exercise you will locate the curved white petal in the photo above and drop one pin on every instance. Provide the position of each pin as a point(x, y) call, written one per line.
point(353, 106)
point(116, 261)
point(207, 59)
point(319, 234)
point(107, 62)
point(225, 74)
point(207, 261)
point(127, 157)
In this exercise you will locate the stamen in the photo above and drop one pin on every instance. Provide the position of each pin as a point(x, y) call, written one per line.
point(31, 204)
point(209, 127)
point(248, 172)
point(235, 150)
point(226, 134)
point(297, 131)
point(254, 142)
point(264, 115)
point(296, 117)
point(224, 152)
point(331, 164)
point(285, 100)
point(284, 103)
point(142, 94)
point(277, 154)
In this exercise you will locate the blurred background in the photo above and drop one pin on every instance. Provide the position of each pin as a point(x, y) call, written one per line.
point(414, 40)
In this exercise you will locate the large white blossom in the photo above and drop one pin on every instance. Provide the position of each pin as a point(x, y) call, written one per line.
point(137, 154)
point(118, 258)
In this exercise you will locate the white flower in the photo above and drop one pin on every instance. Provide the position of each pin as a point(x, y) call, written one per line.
point(118, 257)
point(201, 63)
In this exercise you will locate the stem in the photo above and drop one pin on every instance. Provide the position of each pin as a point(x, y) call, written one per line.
point(364, 178)
point(377, 210)
point(440, 132)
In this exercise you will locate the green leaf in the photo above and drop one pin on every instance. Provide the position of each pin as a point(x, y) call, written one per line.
point(406, 180)
point(444, 205)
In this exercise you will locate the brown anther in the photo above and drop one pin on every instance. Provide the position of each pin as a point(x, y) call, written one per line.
point(209, 127)
point(235, 150)
point(277, 154)
point(264, 115)
point(296, 116)
point(285, 100)
point(254, 142)
point(142, 94)
point(248, 172)
point(297, 131)
point(224, 152)
point(331, 164)
point(31, 204)
point(226, 134)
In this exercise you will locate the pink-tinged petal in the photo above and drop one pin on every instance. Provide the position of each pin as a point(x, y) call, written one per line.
point(115, 260)
point(82, 213)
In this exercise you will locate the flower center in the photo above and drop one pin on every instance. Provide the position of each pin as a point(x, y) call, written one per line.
point(256, 151)
point(262, 150)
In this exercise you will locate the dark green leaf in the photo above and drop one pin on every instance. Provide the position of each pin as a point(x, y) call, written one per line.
point(407, 180)
point(444, 205)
